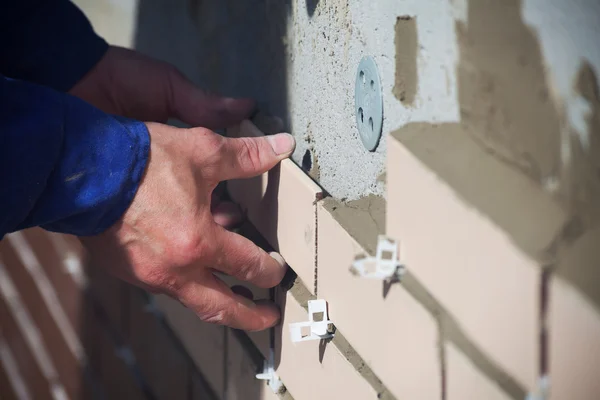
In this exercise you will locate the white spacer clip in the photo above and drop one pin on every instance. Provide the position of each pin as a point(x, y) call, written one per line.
point(385, 265)
point(542, 390)
point(317, 327)
point(270, 375)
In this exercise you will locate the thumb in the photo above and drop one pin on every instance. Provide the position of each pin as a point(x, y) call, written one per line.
point(195, 107)
point(247, 157)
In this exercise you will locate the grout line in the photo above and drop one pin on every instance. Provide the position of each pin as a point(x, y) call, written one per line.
point(316, 245)
point(10, 366)
point(547, 274)
point(452, 332)
point(302, 295)
point(31, 333)
point(46, 290)
point(442, 360)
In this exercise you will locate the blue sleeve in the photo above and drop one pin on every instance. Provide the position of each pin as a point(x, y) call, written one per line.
point(49, 42)
point(65, 165)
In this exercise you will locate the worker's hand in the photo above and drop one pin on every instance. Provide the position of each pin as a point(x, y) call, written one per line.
point(168, 241)
point(132, 85)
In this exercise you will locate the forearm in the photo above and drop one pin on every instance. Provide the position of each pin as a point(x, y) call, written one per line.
point(64, 165)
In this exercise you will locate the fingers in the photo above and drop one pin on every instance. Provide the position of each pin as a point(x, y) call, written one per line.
point(197, 108)
point(214, 302)
point(248, 157)
point(239, 257)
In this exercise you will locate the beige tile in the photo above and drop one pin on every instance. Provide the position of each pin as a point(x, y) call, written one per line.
point(203, 342)
point(467, 263)
point(396, 336)
point(281, 204)
point(465, 381)
point(307, 378)
point(298, 364)
point(574, 344)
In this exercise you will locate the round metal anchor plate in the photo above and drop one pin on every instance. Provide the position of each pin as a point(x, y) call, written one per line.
point(368, 103)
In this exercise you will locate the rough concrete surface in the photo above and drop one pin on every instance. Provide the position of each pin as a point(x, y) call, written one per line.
point(299, 59)
point(505, 104)
point(516, 78)
point(364, 219)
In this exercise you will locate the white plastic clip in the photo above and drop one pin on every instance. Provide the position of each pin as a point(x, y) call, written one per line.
point(270, 375)
point(542, 390)
point(317, 327)
point(385, 264)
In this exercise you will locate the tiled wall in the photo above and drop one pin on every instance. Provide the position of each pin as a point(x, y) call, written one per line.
point(474, 316)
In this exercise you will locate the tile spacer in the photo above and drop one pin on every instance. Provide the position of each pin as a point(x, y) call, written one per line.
point(385, 265)
point(317, 327)
point(268, 374)
point(541, 391)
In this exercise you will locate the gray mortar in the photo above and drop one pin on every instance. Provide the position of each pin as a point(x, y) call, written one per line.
point(363, 219)
point(302, 296)
point(451, 331)
point(405, 87)
point(299, 64)
point(299, 59)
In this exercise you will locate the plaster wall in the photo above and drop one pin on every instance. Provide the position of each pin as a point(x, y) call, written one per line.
point(299, 59)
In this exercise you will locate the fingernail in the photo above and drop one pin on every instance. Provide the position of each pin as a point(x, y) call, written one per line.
point(282, 143)
point(278, 258)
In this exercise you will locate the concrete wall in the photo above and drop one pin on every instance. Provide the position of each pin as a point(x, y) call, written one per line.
point(299, 59)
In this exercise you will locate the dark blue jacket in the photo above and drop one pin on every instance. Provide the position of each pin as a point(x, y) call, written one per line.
point(64, 165)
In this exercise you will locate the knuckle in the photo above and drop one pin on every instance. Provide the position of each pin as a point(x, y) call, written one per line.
point(251, 268)
point(208, 151)
point(159, 280)
point(205, 142)
point(189, 248)
point(249, 154)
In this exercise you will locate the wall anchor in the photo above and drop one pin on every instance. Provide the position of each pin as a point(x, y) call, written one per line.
point(317, 327)
point(385, 265)
point(368, 103)
point(268, 374)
